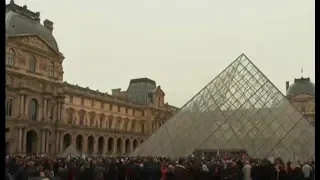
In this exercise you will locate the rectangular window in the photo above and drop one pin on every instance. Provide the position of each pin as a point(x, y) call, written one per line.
point(142, 112)
point(133, 111)
point(110, 107)
point(126, 110)
point(119, 108)
point(71, 99)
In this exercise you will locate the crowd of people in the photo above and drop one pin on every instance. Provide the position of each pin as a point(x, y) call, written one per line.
point(155, 168)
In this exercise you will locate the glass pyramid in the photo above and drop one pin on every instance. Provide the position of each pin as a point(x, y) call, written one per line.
point(239, 109)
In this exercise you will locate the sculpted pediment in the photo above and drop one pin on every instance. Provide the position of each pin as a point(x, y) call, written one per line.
point(36, 42)
point(301, 97)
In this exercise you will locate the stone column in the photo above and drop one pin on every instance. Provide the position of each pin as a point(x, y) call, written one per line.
point(25, 105)
point(61, 142)
point(114, 150)
point(24, 140)
point(74, 141)
point(58, 111)
point(95, 146)
point(85, 145)
point(57, 142)
point(45, 108)
point(123, 149)
point(43, 140)
point(21, 108)
point(105, 146)
point(131, 145)
point(47, 141)
point(19, 139)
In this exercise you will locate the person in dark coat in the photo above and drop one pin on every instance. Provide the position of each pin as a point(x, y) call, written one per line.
point(110, 171)
point(170, 174)
point(155, 170)
point(181, 171)
point(87, 172)
point(204, 173)
point(136, 171)
point(282, 173)
point(215, 170)
point(31, 170)
point(297, 173)
point(122, 174)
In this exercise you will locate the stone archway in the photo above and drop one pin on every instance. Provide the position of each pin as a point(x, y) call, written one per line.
point(135, 144)
point(127, 146)
point(110, 145)
point(119, 146)
point(67, 140)
point(90, 144)
point(31, 142)
point(79, 143)
point(100, 145)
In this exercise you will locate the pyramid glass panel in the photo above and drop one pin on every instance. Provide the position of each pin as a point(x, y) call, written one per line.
point(239, 109)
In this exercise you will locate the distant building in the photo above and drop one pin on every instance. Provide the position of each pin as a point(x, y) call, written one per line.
point(46, 115)
point(302, 94)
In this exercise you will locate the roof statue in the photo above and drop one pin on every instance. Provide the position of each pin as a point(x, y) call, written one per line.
point(70, 151)
point(239, 109)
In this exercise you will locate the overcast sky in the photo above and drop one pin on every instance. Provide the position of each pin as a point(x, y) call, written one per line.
point(181, 44)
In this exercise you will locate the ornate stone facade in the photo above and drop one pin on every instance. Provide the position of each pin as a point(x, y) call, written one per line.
point(46, 115)
point(301, 95)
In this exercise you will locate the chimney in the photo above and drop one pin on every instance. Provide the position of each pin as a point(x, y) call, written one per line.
point(116, 92)
point(287, 85)
point(48, 24)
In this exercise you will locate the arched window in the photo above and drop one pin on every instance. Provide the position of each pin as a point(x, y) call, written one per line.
point(32, 64)
point(9, 107)
point(110, 123)
point(51, 69)
point(142, 127)
point(81, 118)
point(70, 116)
point(101, 123)
point(133, 127)
point(51, 112)
point(33, 109)
point(11, 56)
point(101, 120)
point(91, 121)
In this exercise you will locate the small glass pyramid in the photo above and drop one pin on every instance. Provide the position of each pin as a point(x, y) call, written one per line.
point(239, 109)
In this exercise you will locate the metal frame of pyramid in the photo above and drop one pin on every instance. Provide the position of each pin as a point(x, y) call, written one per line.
point(239, 109)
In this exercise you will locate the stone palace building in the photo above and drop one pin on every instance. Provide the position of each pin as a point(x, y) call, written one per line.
point(302, 94)
point(46, 115)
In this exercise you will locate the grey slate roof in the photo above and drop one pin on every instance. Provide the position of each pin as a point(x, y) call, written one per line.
point(21, 21)
point(301, 86)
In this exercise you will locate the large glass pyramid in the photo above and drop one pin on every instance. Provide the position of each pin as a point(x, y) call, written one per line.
point(239, 109)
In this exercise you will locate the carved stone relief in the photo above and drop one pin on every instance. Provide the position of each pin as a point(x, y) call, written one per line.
point(309, 107)
point(23, 83)
point(35, 42)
